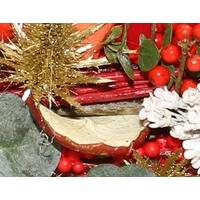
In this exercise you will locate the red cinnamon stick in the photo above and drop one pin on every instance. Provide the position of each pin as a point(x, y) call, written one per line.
point(79, 90)
point(114, 95)
point(121, 76)
point(7, 85)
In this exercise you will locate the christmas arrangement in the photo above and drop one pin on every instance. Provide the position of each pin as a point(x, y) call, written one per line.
point(104, 99)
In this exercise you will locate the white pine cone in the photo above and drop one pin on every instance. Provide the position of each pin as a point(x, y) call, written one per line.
point(166, 109)
point(192, 151)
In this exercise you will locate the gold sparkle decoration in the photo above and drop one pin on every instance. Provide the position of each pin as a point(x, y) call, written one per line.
point(172, 167)
point(46, 58)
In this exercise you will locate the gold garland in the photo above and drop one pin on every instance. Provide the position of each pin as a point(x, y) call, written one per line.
point(45, 58)
point(171, 168)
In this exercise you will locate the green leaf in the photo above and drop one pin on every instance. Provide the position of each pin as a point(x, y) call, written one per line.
point(110, 55)
point(109, 170)
point(168, 35)
point(124, 37)
point(134, 170)
point(115, 33)
point(24, 150)
point(105, 170)
point(114, 48)
point(126, 64)
point(149, 55)
point(141, 39)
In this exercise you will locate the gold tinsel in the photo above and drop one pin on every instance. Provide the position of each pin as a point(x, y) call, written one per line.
point(45, 59)
point(171, 168)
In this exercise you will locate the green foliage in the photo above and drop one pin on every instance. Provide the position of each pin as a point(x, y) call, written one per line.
point(126, 65)
point(110, 54)
point(24, 150)
point(115, 33)
point(116, 52)
point(111, 47)
point(149, 55)
point(109, 170)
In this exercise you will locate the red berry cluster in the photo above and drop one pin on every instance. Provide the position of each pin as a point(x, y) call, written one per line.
point(185, 40)
point(160, 147)
point(187, 83)
point(71, 162)
point(159, 75)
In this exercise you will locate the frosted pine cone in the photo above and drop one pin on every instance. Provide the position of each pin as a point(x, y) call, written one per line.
point(167, 109)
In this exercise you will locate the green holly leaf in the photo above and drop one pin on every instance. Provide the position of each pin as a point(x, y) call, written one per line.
point(115, 33)
point(126, 65)
point(149, 55)
point(109, 170)
point(168, 35)
point(24, 149)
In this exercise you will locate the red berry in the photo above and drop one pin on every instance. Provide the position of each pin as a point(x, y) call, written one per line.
point(73, 156)
point(196, 32)
point(163, 161)
point(174, 25)
point(65, 165)
point(160, 28)
point(165, 151)
point(151, 149)
point(193, 63)
point(159, 75)
point(192, 50)
point(192, 24)
point(173, 142)
point(171, 53)
point(186, 84)
point(174, 40)
point(6, 31)
point(140, 151)
point(78, 168)
point(133, 57)
point(161, 141)
point(158, 40)
point(183, 31)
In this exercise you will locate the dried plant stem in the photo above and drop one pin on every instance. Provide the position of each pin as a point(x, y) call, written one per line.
point(181, 70)
point(153, 30)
